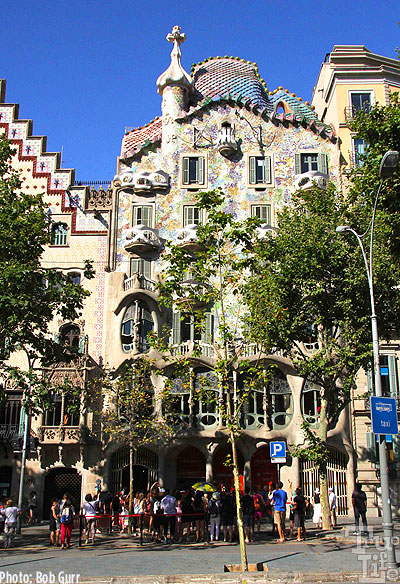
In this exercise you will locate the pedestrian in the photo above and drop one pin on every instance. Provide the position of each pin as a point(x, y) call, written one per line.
point(228, 514)
point(317, 517)
point(58, 510)
point(200, 508)
point(359, 500)
point(168, 505)
point(116, 507)
point(2, 506)
point(259, 507)
point(89, 511)
point(280, 499)
point(248, 515)
point(271, 491)
point(10, 514)
point(32, 505)
point(214, 513)
point(158, 523)
point(332, 506)
point(66, 519)
point(53, 522)
point(299, 513)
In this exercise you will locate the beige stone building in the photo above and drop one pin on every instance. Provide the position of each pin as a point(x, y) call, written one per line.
point(220, 127)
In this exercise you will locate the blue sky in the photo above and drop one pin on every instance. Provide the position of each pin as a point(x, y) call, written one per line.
point(83, 70)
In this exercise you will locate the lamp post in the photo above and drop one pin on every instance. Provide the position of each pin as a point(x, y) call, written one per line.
point(387, 168)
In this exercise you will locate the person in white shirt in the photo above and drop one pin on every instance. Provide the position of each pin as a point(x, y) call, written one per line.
point(332, 506)
point(10, 513)
point(89, 511)
point(168, 505)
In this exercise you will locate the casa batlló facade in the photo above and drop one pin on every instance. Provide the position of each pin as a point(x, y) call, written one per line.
point(220, 127)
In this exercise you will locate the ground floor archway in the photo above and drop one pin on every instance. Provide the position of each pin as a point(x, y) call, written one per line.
point(145, 469)
point(190, 467)
point(263, 471)
point(59, 481)
point(223, 470)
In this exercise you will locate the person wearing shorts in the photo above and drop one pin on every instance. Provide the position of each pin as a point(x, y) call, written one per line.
point(280, 499)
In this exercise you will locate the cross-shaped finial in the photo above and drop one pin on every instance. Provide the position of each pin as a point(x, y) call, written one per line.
point(176, 35)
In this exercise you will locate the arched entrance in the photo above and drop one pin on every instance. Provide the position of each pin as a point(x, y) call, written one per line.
point(5, 481)
point(263, 470)
point(59, 481)
point(145, 469)
point(190, 467)
point(223, 474)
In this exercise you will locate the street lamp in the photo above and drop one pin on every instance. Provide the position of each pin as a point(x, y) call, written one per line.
point(387, 168)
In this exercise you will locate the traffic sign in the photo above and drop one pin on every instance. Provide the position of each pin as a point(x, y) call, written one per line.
point(277, 451)
point(384, 415)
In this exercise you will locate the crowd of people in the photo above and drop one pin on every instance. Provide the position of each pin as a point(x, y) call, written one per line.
point(190, 515)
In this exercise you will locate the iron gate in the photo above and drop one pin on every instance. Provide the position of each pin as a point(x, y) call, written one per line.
point(59, 481)
point(142, 457)
point(336, 473)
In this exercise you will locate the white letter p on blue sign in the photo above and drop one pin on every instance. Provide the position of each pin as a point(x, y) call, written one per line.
point(277, 449)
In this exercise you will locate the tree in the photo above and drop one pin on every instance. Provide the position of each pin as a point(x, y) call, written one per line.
point(30, 295)
point(309, 284)
point(208, 277)
point(132, 414)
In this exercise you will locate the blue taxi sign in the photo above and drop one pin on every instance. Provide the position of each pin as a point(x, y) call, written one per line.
point(384, 415)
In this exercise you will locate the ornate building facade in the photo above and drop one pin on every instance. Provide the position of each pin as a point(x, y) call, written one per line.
point(220, 127)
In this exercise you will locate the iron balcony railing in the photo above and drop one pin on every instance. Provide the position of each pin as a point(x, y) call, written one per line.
point(351, 112)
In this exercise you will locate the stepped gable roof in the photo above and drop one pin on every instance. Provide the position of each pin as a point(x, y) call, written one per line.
point(223, 76)
point(136, 140)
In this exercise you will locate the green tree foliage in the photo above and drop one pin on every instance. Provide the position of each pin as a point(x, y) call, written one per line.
point(309, 283)
point(30, 295)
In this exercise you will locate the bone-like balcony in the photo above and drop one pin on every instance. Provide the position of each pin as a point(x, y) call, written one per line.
point(141, 239)
point(187, 238)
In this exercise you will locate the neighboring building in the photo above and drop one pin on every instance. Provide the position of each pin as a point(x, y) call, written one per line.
point(352, 79)
point(220, 127)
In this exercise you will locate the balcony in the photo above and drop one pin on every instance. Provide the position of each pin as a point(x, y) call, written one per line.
point(187, 238)
point(351, 112)
point(310, 179)
point(189, 347)
point(142, 239)
point(9, 432)
point(139, 282)
point(58, 434)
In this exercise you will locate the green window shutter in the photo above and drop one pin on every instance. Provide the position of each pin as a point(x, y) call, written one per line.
point(82, 342)
point(392, 376)
point(252, 170)
point(176, 328)
point(207, 334)
point(267, 169)
point(297, 163)
point(136, 215)
point(135, 266)
point(146, 269)
point(185, 170)
point(369, 380)
point(200, 170)
point(147, 216)
point(188, 215)
point(323, 163)
point(371, 448)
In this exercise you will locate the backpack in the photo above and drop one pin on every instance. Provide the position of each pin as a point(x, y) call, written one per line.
point(213, 510)
point(66, 515)
point(248, 505)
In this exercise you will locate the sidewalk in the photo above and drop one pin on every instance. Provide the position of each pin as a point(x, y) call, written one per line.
point(325, 556)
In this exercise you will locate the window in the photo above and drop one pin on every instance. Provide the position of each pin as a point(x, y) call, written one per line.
point(59, 233)
point(308, 161)
point(190, 330)
point(143, 215)
point(389, 379)
point(192, 215)
point(359, 148)
point(361, 102)
point(281, 401)
point(136, 325)
point(64, 412)
point(193, 170)
point(74, 277)
point(141, 266)
point(262, 212)
point(70, 335)
point(259, 170)
point(310, 404)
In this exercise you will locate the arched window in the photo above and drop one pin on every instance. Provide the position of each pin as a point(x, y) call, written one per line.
point(70, 335)
point(281, 400)
point(136, 325)
point(311, 403)
point(59, 233)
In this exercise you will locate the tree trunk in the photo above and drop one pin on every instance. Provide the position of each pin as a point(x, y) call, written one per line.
point(323, 480)
point(242, 544)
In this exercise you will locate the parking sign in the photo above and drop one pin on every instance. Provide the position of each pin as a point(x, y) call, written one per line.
point(277, 451)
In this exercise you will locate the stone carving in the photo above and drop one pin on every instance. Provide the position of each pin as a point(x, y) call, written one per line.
point(144, 181)
point(99, 199)
point(141, 239)
point(311, 178)
point(175, 75)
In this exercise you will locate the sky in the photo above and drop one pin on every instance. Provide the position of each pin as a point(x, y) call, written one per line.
point(83, 70)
